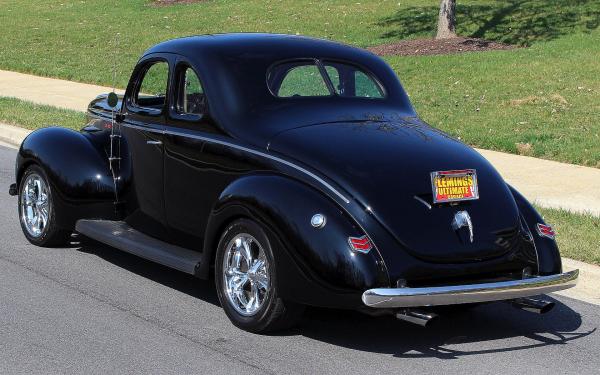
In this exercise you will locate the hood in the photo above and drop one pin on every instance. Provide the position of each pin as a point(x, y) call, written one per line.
point(387, 166)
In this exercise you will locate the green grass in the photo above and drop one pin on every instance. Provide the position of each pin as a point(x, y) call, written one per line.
point(578, 235)
point(34, 116)
point(547, 96)
point(74, 39)
point(543, 100)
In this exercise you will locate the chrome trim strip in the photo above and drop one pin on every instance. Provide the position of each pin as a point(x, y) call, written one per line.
point(246, 149)
point(471, 293)
point(422, 201)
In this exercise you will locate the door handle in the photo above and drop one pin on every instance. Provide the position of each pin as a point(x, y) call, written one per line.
point(153, 142)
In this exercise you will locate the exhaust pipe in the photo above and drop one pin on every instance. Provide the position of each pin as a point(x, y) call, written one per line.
point(420, 317)
point(533, 305)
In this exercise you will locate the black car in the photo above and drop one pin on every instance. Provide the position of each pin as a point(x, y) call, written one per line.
point(295, 172)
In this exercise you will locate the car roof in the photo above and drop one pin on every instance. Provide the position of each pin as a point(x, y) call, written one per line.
point(230, 44)
point(233, 69)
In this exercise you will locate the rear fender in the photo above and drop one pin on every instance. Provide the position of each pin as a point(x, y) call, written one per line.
point(548, 254)
point(79, 173)
point(318, 265)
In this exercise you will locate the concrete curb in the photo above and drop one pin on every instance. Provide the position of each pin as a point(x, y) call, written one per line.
point(588, 287)
point(13, 135)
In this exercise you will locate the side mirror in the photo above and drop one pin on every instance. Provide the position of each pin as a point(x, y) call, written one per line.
point(112, 100)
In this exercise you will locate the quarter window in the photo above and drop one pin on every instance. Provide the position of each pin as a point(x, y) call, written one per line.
point(152, 91)
point(190, 98)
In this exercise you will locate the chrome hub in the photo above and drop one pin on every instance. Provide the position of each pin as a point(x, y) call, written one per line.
point(245, 274)
point(35, 205)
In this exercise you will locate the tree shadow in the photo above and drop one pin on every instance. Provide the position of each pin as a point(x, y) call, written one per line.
point(519, 22)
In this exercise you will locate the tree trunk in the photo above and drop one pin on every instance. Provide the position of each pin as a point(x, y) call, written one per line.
point(446, 20)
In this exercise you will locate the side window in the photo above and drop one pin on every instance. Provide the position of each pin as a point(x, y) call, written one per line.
point(297, 79)
point(152, 91)
point(365, 87)
point(190, 95)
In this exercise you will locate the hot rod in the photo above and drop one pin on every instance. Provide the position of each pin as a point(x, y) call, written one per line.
point(295, 172)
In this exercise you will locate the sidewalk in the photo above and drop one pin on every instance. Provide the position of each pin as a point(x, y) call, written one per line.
point(50, 91)
point(548, 183)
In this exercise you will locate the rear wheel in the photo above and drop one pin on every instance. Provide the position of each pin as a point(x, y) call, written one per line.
point(37, 213)
point(246, 279)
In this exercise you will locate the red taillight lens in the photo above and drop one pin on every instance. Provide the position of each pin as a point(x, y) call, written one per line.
point(546, 231)
point(360, 244)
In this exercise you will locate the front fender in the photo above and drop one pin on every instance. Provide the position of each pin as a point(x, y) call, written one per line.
point(79, 173)
point(319, 267)
point(548, 254)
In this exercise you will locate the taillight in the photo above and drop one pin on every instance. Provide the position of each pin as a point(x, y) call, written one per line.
point(546, 231)
point(360, 244)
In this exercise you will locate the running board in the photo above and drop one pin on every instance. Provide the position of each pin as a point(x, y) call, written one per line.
point(122, 236)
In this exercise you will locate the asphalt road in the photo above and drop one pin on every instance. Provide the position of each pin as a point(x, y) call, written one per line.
point(92, 309)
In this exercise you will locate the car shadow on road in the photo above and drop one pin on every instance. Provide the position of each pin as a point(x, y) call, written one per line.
point(497, 322)
point(182, 282)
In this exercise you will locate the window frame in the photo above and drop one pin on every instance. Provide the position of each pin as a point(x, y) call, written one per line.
point(182, 65)
point(319, 62)
point(131, 102)
point(309, 61)
point(364, 70)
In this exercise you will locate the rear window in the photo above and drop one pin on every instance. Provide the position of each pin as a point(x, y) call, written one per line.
point(301, 79)
point(310, 78)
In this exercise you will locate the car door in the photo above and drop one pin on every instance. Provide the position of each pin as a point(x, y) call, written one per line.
point(194, 173)
point(143, 129)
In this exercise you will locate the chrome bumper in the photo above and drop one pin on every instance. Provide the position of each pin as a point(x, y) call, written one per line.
point(472, 293)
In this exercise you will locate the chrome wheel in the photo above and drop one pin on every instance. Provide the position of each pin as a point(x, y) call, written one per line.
point(35, 206)
point(245, 274)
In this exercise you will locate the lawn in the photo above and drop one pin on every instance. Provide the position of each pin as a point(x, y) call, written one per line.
point(542, 100)
point(33, 116)
point(578, 235)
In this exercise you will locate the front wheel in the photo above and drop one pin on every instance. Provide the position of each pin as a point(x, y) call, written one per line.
point(37, 213)
point(246, 279)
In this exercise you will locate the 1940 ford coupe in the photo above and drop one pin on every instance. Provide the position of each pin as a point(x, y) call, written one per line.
point(295, 172)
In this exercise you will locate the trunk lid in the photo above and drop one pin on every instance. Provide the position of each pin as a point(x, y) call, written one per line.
point(387, 167)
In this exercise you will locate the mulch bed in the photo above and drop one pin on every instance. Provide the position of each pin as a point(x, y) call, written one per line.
point(437, 46)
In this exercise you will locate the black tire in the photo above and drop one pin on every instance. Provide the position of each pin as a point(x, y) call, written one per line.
point(274, 313)
point(51, 235)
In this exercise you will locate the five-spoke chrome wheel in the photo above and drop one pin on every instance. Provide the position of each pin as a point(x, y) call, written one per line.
point(245, 274)
point(35, 205)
